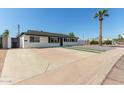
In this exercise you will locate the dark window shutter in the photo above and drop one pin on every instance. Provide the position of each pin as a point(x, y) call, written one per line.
point(64, 39)
point(58, 39)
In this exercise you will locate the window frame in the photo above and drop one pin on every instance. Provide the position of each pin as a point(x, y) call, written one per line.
point(53, 39)
point(35, 39)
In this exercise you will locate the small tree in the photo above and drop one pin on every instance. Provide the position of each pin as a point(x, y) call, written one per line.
point(71, 34)
point(5, 33)
point(108, 42)
point(93, 42)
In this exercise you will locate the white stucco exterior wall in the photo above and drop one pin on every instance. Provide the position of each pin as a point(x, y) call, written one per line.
point(25, 42)
point(9, 42)
point(22, 41)
point(69, 43)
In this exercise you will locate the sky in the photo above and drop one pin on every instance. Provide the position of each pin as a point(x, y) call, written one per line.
point(62, 20)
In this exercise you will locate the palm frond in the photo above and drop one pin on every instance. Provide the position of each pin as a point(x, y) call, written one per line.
point(105, 11)
point(96, 15)
point(101, 13)
point(106, 14)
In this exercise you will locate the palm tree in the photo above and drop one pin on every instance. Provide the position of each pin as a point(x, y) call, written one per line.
point(71, 34)
point(100, 14)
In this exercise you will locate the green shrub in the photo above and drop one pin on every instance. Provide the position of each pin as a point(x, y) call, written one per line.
point(107, 42)
point(93, 42)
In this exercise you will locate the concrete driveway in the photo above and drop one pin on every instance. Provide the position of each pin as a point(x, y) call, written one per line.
point(91, 70)
point(21, 64)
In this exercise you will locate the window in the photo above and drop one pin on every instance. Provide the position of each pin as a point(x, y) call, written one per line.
point(34, 39)
point(53, 40)
point(70, 39)
point(67, 40)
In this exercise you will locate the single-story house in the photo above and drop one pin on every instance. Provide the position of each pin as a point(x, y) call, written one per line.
point(32, 39)
point(38, 39)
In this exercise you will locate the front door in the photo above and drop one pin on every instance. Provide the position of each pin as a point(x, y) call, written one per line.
point(61, 41)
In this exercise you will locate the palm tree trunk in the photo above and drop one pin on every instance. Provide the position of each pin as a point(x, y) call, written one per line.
point(100, 34)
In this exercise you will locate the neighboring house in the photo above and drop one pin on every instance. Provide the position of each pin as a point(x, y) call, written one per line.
point(37, 39)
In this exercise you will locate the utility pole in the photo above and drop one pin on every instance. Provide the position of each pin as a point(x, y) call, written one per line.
point(83, 40)
point(18, 29)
